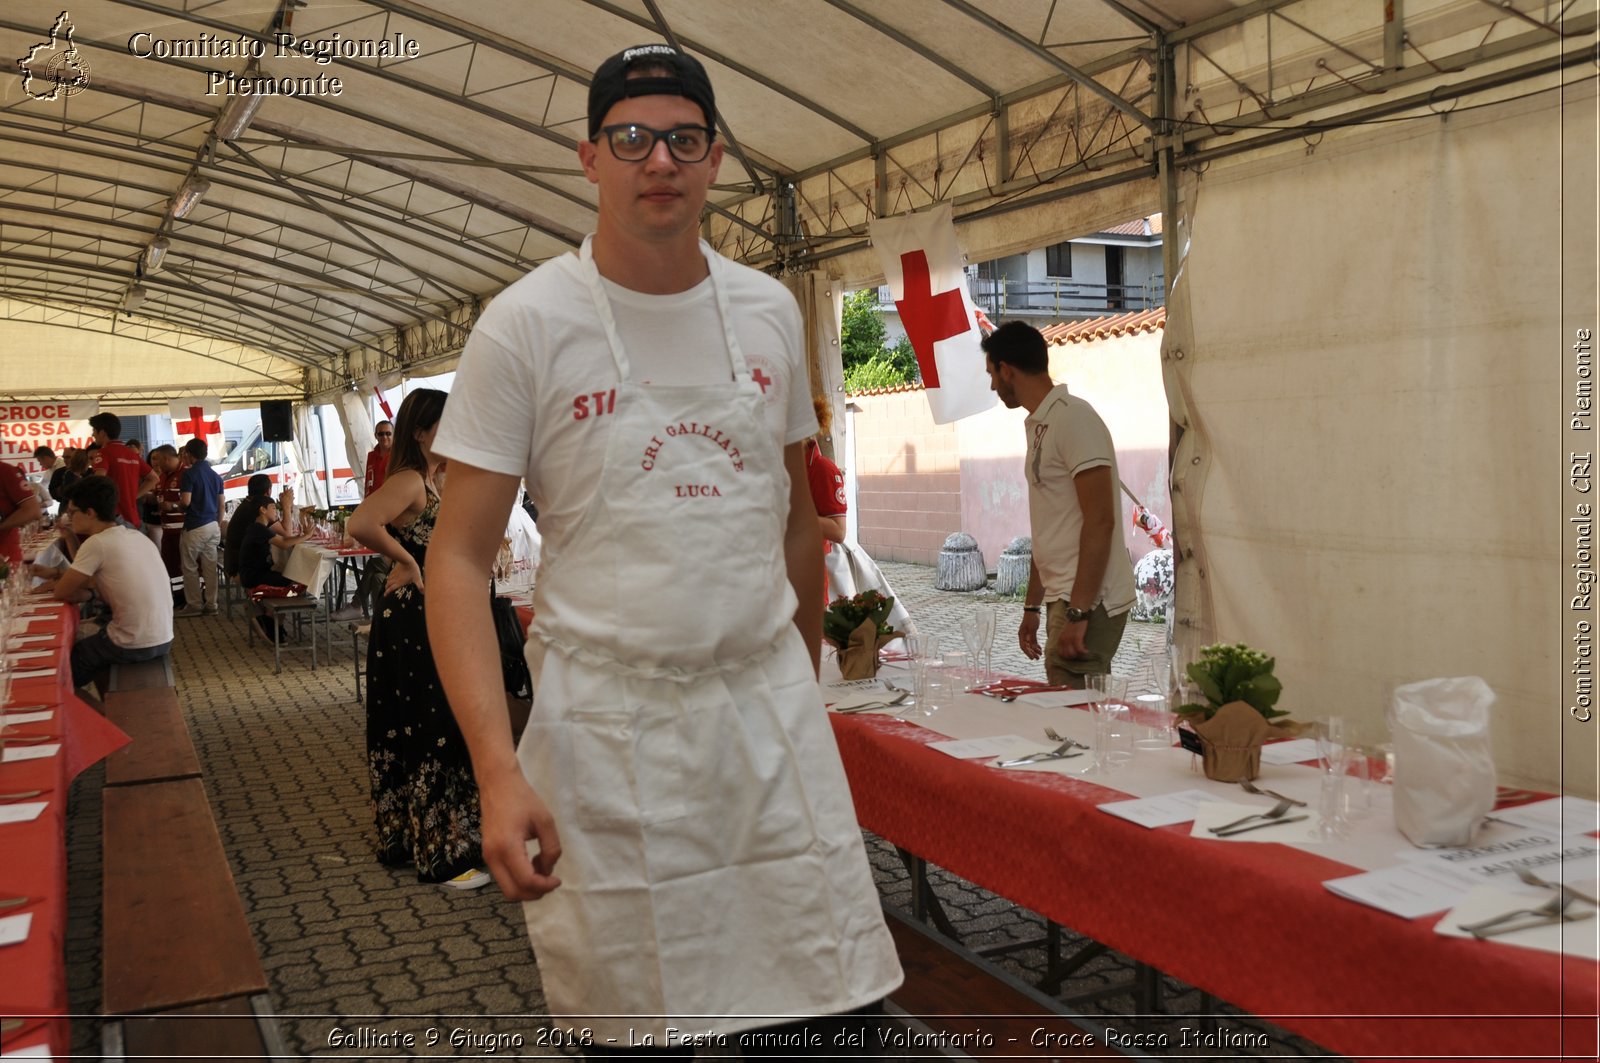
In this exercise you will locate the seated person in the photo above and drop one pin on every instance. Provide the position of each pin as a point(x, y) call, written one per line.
point(52, 562)
point(256, 572)
point(258, 488)
point(124, 568)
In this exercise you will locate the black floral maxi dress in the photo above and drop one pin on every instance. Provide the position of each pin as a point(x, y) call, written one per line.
point(424, 799)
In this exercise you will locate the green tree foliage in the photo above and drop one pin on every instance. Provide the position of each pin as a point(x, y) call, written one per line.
point(867, 362)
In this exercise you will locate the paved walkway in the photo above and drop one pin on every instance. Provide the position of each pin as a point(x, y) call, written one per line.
point(346, 942)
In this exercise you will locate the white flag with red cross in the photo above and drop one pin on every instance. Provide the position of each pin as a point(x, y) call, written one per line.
point(923, 266)
point(196, 418)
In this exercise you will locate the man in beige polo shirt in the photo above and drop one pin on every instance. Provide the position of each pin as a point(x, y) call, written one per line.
point(1081, 572)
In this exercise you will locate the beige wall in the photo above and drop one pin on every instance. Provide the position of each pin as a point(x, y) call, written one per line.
point(908, 479)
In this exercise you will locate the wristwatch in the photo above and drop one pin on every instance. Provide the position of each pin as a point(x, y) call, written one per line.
point(1075, 615)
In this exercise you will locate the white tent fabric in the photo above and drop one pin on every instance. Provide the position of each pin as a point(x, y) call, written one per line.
point(1369, 344)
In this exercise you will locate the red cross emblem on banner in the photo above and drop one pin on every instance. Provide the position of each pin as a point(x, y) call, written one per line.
point(197, 425)
point(763, 379)
point(928, 318)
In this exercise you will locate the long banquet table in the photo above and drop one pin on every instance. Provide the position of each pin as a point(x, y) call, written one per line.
point(33, 854)
point(1249, 923)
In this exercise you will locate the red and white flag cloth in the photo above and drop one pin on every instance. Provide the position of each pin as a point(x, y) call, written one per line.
point(196, 418)
point(929, 286)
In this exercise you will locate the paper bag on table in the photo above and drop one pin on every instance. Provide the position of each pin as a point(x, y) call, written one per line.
point(1444, 780)
point(1232, 741)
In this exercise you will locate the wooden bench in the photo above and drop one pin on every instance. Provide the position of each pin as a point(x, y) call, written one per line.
point(965, 1006)
point(143, 675)
point(161, 748)
point(176, 942)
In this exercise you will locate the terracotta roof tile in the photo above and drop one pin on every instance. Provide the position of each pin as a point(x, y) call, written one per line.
point(1101, 327)
point(1150, 226)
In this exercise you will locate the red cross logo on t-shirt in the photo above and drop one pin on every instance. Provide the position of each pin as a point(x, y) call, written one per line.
point(763, 379)
point(928, 318)
point(197, 425)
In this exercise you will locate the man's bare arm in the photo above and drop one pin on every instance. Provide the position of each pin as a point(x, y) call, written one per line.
point(1097, 500)
point(472, 521)
point(802, 549)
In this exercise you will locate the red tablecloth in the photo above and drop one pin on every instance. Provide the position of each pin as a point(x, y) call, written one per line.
point(1249, 923)
point(33, 855)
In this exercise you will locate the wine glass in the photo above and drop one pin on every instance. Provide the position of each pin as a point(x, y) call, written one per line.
point(987, 621)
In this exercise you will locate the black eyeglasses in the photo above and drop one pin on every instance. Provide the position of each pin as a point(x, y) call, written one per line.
point(634, 143)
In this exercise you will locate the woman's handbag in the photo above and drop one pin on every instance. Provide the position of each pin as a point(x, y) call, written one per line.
point(508, 633)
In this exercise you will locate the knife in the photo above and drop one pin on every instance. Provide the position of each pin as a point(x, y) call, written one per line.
point(21, 795)
point(1036, 758)
point(15, 902)
point(1261, 826)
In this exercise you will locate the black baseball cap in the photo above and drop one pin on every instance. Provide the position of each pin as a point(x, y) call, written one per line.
point(612, 84)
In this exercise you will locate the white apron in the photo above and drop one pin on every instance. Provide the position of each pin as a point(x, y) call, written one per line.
point(712, 868)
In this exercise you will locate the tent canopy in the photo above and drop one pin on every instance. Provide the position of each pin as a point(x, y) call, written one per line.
point(408, 160)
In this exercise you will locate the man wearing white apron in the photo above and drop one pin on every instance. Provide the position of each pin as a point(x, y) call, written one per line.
point(676, 816)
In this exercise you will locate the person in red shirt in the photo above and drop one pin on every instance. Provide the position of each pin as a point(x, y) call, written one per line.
point(378, 459)
point(827, 485)
point(19, 507)
point(132, 475)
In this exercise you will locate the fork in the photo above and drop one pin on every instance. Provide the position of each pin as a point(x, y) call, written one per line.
point(1050, 733)
point(871, 705)
point(1566, 891)
point(1277, 811)
point(1251, 788)
point(1554, 908)
point(1058, 751)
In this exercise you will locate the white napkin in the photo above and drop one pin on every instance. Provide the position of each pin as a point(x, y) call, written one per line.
point(1216, 813)
point(1026, 747)
point(33, 673)
point(14, 928)
point(8, 719)
point(1581, 938)
point(28, 655)
point(22, 812)
point(35, 752)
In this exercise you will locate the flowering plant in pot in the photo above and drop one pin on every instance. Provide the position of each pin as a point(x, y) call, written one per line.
point(1239, 712)
point(857, 627)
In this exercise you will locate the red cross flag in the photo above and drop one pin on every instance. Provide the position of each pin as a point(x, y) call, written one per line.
point(197, 417)
point(923, 266)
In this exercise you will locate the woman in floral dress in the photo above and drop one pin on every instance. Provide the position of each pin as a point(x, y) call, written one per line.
point(425, 802)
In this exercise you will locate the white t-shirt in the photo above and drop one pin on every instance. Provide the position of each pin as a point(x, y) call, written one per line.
point(537, 379)
point(132, 578)
point(1066, 437)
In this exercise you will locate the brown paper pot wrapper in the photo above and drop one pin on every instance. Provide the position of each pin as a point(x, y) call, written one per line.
point(859, 660)
point(1232, 741)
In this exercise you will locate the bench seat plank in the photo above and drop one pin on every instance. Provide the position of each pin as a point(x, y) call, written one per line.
point(175, 932)
point(161, 748)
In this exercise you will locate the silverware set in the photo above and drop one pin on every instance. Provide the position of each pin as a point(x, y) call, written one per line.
point(898, 698)
point(1061, 752)
point(1276, 815)
point(1250, 788)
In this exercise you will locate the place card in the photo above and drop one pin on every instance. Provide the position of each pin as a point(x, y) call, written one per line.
point(38, 752)
point(33, 638)
point(1578, 937)
point(1408, 890)
point(1216, 813)
point(1295, 751)
point(979, 748)
point(38, 1051)
point(9, 719)
point(1161, 811)
point(14, 930)
point(1559, 815)
point(29, 655)
point(33, 673)
point(22, 813)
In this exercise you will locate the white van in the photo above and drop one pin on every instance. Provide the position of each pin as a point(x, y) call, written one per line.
point(245, 453)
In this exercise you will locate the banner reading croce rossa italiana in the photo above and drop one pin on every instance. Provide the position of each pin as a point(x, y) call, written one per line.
point(26, 426)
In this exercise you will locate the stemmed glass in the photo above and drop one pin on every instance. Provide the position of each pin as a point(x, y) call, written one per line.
point(987, 621)
point(972, 635)
point(1334, 753)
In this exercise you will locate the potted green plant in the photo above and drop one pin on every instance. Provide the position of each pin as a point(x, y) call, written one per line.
point(857, 627)
point(1239, 711)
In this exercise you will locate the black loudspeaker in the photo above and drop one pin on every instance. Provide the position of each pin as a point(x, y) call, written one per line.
point(277, 421)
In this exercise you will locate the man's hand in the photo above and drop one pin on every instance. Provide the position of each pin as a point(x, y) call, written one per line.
point(1069, 644)
point(513, 815)
point(1028, 636)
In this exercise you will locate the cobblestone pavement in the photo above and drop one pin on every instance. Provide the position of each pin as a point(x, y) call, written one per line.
point(346, 942)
